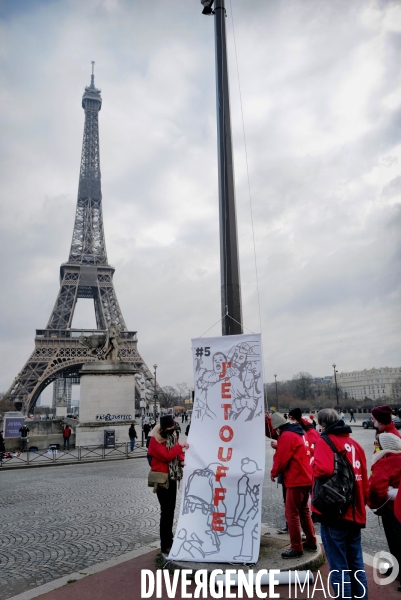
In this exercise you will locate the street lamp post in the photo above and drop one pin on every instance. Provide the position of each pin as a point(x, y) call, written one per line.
point(231, 304)
point(155, 396)
point(275, 381)
point(335, 379)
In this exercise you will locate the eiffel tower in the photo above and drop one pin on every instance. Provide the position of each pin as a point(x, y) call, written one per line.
point(58, 354)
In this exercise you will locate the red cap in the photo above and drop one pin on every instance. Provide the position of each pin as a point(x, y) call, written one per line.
point(383, 414)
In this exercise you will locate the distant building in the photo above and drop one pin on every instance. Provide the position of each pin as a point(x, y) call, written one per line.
point(371, 383)
point(325, 379)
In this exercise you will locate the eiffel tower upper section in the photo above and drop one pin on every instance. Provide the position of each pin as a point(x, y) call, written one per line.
point(88, 246)
point(87, 273)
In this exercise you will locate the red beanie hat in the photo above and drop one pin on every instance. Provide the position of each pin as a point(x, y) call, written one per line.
point(383, 414)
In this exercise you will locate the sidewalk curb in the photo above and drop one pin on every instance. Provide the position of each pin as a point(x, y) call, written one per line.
point(63, 581)
point(58, 583)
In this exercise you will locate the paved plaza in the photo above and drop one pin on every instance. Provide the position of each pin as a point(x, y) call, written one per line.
point(62, 519)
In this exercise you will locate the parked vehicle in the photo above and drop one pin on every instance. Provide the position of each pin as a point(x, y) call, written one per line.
point(397, 422)
point(368, 423)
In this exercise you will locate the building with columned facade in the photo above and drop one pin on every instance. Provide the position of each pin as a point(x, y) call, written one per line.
point(379, 383)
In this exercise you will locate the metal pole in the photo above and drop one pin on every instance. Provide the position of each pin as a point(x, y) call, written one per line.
point(275, 380)
point(231, 305)
point(155, 395)
point(335, 379)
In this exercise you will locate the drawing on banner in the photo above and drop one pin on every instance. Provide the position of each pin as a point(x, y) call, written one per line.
point(241, 368)
point(245, 523)
point(199, 498)
point(205, 380)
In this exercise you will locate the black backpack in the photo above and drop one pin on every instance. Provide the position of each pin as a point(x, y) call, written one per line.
point(333, 495)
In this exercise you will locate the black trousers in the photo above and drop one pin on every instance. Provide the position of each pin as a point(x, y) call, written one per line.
point(167, 500)
point(392, 529)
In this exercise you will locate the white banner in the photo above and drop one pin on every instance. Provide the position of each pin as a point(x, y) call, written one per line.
point(221, 506)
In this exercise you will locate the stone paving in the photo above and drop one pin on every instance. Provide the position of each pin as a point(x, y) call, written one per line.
point(62, 519)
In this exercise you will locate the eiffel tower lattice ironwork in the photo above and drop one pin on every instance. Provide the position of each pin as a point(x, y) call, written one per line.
point(87, 274)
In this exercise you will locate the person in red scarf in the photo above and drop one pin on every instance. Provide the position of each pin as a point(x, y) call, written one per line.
point(167, 457)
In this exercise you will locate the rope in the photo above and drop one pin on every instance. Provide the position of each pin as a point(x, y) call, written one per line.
point(252, 223)
point(219, 321)
point(247, 169)
point(249, 194)
point(230, 317)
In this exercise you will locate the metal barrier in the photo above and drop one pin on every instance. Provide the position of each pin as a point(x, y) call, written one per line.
point(79, 454)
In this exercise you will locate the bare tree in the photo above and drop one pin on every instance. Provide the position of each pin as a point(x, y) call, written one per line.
point(5, 405)
point(170, 396)
point(302, 385)
point(183, 390)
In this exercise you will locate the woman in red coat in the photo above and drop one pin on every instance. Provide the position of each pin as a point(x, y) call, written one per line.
point(383, 487)
point(167, 457)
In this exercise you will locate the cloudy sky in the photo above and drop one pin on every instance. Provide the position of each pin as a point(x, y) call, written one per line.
point(321, 98)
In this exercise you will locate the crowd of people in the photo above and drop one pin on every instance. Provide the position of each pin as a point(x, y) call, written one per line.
point(324, 476)
point(323, 470)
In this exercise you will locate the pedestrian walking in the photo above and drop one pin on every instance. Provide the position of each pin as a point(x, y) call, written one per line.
point(132, 436)
point(167, 457)
point(177, 429)
point(351, 414)
point(146, 429)
point(383, 488)
point(24, 430)
point(66, 437)
point(341, 533)
point(292, 462)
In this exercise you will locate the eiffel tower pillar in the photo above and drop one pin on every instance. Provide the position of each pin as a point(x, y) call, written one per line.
point(86, 274)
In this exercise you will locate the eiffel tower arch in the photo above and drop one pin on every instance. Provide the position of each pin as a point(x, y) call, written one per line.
point(58, 353)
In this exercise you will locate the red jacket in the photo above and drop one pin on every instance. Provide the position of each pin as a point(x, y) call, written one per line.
point(323, 466)
point(391, 428)
point(159, 453)
point(269, 431)
point(292, 459)
point(312, 436)
point(385, 472)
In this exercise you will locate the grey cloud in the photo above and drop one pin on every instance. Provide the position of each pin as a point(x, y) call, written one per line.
point(325, 225)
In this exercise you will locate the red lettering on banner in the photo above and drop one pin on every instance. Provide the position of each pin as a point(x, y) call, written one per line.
point(219, 495)
point(224, 369)
point(228, 457)
point(225, 390)
point(221, 472)
point(217, 521)
point(226, 408)
point(226, 429)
